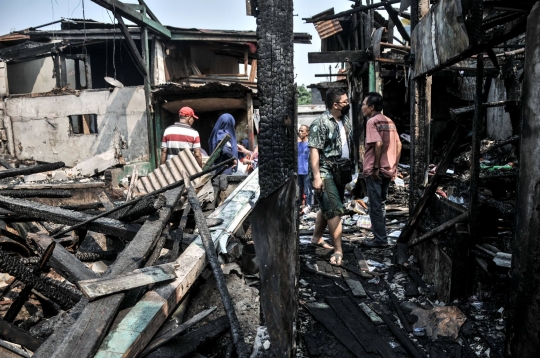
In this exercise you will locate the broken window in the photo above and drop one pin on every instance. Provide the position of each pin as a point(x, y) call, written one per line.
point(83, 124)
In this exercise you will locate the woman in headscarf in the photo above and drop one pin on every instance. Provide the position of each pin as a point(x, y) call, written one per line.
point(224, 125)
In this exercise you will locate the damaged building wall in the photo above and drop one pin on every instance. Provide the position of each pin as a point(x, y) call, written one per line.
point(31, 76)
point(52, 140)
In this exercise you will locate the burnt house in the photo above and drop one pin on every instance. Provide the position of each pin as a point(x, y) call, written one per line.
point(78, 91)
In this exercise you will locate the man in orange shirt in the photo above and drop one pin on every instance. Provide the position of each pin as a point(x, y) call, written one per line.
point(383, 150)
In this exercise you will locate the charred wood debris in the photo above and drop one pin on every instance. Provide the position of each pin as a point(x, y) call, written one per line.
point(71, 275)
point(127, 275)
point(446, 285)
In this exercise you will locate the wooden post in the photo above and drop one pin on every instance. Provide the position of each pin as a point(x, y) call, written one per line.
point(419, 97)
point(211, 255)
point(152, 149)
point(475, 150)
point(278, 166)
point(523, 329)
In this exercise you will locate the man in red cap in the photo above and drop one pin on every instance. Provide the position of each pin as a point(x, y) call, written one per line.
point(180, 136)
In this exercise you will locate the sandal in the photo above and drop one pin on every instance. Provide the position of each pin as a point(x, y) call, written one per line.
point(322, 245)
point(338, 257)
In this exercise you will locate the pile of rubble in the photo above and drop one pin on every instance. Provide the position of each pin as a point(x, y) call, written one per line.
point(127, 277)
point(370, 307)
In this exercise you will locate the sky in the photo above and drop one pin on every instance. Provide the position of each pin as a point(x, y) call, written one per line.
point(204, 14)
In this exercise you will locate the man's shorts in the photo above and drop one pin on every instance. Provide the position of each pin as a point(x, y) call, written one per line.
point(331, 199)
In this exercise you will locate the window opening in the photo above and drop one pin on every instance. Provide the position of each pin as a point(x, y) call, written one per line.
point(83, 124)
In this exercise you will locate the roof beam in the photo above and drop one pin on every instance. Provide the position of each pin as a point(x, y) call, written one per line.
point(137, 58)
point(338, 56)
point(127, 11)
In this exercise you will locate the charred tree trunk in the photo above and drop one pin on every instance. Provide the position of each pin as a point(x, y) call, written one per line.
point(524, 313)
point(274, 219)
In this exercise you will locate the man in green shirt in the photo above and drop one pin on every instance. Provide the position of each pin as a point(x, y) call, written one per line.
point(330, 138)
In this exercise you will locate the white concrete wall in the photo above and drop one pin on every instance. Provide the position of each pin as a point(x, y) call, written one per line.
point(41, 125)
point(34, 76)
point(4, 88)
point(159, 64)
point(499, 125)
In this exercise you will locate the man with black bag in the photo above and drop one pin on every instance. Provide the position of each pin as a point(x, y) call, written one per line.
point(331, 143)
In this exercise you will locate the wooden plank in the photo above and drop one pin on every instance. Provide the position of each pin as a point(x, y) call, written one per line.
point(362, 263)
point(62, 216)
point(99, 287)
point(356, 287)
point(360, 327)
point(86, 123)
point(85, 336)
point(371, 314)
point(105, 201)
point(166, 333)
point(326, 316)
point(253, 72)
point(9, 351)
point(338, 56)
point(136, 329)
point(16, 335)
point(186, 345)
point(8, 173)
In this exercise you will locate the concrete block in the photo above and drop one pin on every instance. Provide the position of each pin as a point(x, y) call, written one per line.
point(60, 175)
point(35, 177)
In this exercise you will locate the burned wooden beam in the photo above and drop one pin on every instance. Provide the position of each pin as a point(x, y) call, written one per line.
point(166, 332)
point(36, 193)
point(63, 261)
point(189, 343)
point(353, 11)
point(276, 211)
point(99, 287)
point(442, 166)
point(64, 294)
point(156, 305)
point(63, 216)
point(397, 22)
point(523, 315)
point(18, 336)
point(339, 56)
point(475, 149)
point(16, 306)
point(210, 249)
point(132, 202)
point(148, 205)
point(8, 173)
point(439, 229)
point(85, 336)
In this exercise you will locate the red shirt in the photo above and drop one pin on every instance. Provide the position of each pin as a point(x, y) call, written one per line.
point(380, 128)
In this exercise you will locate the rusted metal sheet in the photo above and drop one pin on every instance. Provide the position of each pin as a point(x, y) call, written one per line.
point(440, 36)
point(328, 28)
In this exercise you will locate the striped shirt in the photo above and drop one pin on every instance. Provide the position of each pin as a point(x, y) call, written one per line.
point(178, 137)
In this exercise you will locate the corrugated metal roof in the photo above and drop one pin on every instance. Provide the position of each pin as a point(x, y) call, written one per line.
point(170, 172)
point(328, 28)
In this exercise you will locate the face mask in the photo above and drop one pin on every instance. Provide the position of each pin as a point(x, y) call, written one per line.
point(345, 109)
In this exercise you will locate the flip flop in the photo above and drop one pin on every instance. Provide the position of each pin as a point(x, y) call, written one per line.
point(321, 245)
point(337, 256)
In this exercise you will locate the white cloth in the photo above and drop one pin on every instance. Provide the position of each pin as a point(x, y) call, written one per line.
point(344, 143)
